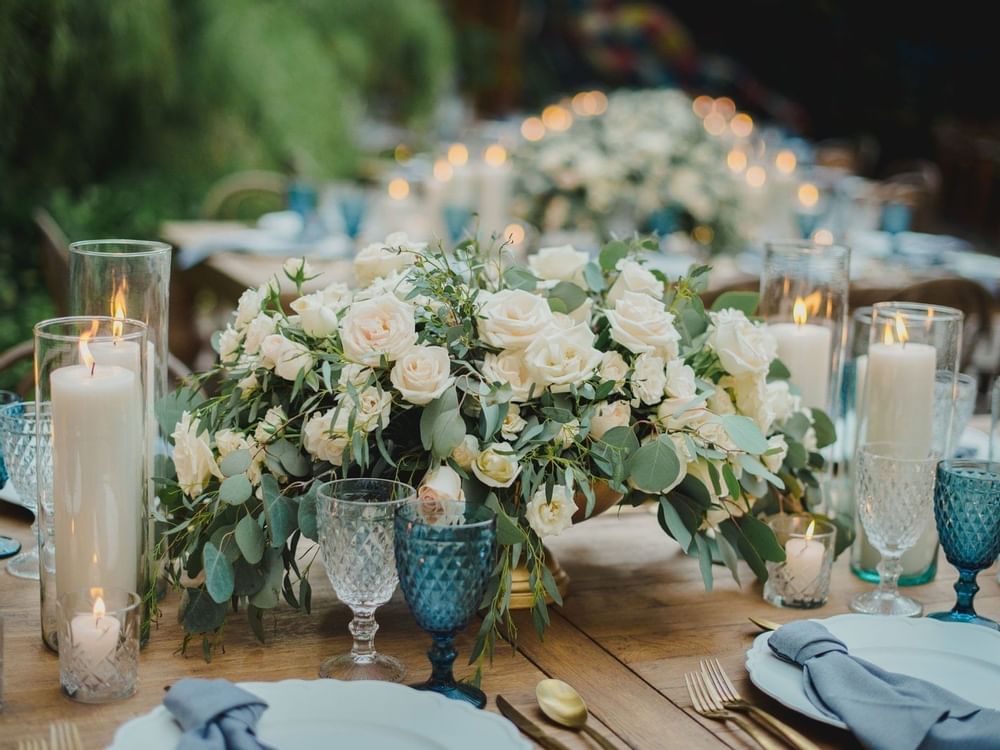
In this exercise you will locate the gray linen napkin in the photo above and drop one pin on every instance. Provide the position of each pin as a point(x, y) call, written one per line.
point(885, 710)
point(215, 715)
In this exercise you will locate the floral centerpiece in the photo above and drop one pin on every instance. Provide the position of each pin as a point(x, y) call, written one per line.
point(466, 375)
point(647, 163)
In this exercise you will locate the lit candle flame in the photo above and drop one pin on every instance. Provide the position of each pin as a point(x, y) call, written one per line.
point(99, 609)
point(118, 309)
point(901, 333)
point(800, 313)
point(495, 155)
point(811, 530)
point(85, 356)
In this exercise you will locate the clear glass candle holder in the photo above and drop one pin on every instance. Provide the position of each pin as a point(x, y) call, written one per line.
point(99, 644)
point(802, 581)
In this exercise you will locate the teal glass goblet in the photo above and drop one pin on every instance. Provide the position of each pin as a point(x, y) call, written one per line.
point(445, 553)
point(8, 546)
point(967, 512)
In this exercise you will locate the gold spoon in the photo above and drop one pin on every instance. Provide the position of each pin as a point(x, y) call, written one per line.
point(763, 624)
point(561, 703)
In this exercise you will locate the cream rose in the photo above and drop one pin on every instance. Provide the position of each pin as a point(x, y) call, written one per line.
point(512, 318)
point(508, 367)
point(559, 359)
point(562, 263)
point(297, 268)
point(752, 399)
point(781, 401)
point(743, 348)
point(442, 483)
point(354, 374)
point(641, 324)
point(381, 259)
point(649, 378)
point(550, 517)
point(229, 346)
point(513, 423)
point(271, 426)
point(249, 304)
point(287, 358)
point(465, 452)
point(614, 368)
point(229, 441)
point(720, 402)
point(422, 374)
point(773, 461)
point(567, 433)
point(383, 326)
point(257, 330)
point(608, 416)
point(248, 384)
point(372, 408)
point(193, 457)
point(317, 318)
point(634, 277)
point(496, 465)
point(325, 440)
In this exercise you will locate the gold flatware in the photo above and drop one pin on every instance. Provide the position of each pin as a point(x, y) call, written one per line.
point(527, 726)
point(561, 703)
point(763, 624)
point(63, 735)
point(709, 707)
point(32, 744)
point(731, 699)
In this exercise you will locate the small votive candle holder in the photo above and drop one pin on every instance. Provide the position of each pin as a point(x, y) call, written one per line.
point(99, 644)
point(802, 581)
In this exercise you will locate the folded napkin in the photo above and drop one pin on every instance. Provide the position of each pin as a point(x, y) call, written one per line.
point(884, 710)
point(215, 715)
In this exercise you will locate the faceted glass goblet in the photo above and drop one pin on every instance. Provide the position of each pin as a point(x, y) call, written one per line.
point(894, 497)
point(967, 512)
point(8, 546)
point(18, 423)
point(356, 528)
point(445, 551)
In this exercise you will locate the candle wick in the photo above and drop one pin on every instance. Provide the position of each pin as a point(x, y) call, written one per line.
point(93, 366)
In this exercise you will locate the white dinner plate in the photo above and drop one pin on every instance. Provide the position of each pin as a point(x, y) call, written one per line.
point(321, 714)
point(962, 658)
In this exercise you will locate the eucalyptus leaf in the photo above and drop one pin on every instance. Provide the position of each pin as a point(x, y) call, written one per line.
point(744, 432)
point(250, 539)
point(199, 613)
point(745, 301)
point(654, 467)
point(508, 532)
point(307, 513)
point(569, 293)
point(519, 277)
point(270, 592)
point(235, 490)
point(778, 371)
point(171, 407)
point(674, 524)
point(593, 276)
point(611, 253)
point(218, 573)
point(236, 462)
point(704, 560)
point(826, 433)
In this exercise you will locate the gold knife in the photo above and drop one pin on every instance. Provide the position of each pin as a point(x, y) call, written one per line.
point(527, 726)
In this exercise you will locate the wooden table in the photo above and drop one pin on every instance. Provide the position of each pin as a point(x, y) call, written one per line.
point(636, 620)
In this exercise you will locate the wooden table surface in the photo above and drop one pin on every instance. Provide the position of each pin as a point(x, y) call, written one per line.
point(637, 618)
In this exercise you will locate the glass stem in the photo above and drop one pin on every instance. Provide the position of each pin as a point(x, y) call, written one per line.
point(966, 588)
point(890, 567)
point(442, 655)
point(363, 627)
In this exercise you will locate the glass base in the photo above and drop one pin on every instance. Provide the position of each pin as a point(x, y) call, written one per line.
point(953, 616)
point(915, 579)
point(346, 667)
point(456, 691)
point(9, 547)
point(24, 565)
point(877, 603)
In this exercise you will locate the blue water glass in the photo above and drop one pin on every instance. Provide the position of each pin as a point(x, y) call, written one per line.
point(967, 512)
point(353, 207)
point(8, 547)
point(445, 553)
point(664, 221)
point(456, 218)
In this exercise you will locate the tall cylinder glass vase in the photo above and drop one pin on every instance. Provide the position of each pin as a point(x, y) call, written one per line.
point(131, 278)
point(93, 507)
point(906, 362)
point(803, 298)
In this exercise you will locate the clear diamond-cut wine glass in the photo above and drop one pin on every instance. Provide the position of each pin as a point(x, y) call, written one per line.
point(894, 492)
point(356, 532)
point(18, 423)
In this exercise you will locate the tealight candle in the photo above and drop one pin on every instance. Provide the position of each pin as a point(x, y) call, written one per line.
point(802, 579)
point(94, 636)
point(804, 560)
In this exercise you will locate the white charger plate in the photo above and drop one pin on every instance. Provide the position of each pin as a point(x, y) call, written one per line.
point(962, 658)
point(320, 714)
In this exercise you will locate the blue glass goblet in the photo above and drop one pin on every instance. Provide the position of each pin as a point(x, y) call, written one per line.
point(456, 218)
point(8, 546)
point(445, 552)
point(967, 511)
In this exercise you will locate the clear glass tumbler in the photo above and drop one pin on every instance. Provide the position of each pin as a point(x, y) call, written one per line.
point(356, 533)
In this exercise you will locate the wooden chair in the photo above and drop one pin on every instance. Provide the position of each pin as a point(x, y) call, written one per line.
point(245, 195)
point(55, 259)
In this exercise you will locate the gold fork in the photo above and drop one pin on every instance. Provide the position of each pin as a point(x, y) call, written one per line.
point(32, 744)
point(731, 699)
point(709, 707)
point(63, 735)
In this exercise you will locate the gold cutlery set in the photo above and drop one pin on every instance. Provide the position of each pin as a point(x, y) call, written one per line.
point(63, 735)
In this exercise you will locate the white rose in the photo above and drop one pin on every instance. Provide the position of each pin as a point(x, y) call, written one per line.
point(512, 318)
point(567, 433)
point(809, 440)
point(317, 318)
point(397, 284)
point(562, 263)
point(466, 451)
point(774, 461)
point(614, 368)
point(752, 399)
point(295, 268)
point(559, 359)
point(193, 457)
point(248, 384)
point(513, 423)
point(442, 483)
point(422, 374)
point(720, 402)
point(324, 440)
point(496, 465)
point(248, 307)
point(353, 374)
point(381, 259)
point(229, 441)
point(743, 347)
point(271, 426)
point(649, 378)
point(372, 408)
point(641, 323)
point(257, 330)
point(383, 326)
point(608, 416)
point(582, 313)
point(508, 367)
point(550, 517)
point(287, 358)
point(229, 346)
point(634, 277)
point(680, 380)
point(711, 432)
point(781, 401)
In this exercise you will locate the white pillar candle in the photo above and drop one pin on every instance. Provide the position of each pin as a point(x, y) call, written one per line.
point(805, 350)
point(98, 453)
point(94, 637)
point(900, 396)
point(495, 180)
point(803, 562)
